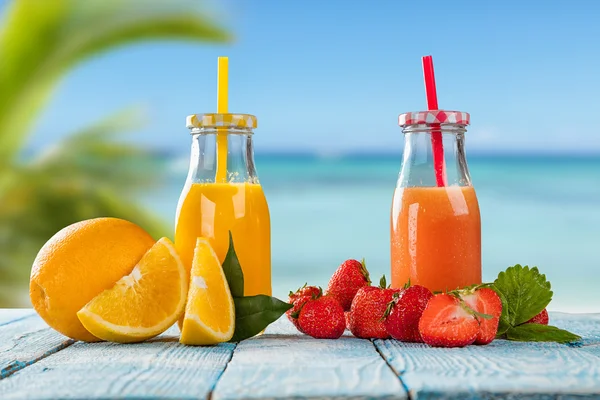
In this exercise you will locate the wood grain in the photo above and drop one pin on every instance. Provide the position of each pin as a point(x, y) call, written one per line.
point(26, 340)
point(160, 368)
point(501, 369)
point(283, 364)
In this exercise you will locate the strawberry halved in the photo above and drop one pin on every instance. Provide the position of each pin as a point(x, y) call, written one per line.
point(485, 301)
point(446, 323)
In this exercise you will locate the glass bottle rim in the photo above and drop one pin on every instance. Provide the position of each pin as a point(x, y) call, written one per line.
point(434, 118)
point(221, 120)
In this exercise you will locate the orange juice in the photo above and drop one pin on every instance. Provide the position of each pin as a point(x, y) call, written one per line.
point(211, 210)
point(436, 237)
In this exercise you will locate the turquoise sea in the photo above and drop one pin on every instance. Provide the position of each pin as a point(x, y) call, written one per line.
point(536, 210)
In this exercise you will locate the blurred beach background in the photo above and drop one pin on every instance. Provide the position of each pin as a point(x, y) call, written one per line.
point(94, 95)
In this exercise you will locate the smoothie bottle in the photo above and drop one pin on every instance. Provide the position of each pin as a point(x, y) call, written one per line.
point(222, 194)
point(435, 229)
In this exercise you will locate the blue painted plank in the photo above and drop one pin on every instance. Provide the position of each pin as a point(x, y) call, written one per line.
point(500, 369)
point(26, 340)
point(284, 364)
point(160, 368)
point(7, 315)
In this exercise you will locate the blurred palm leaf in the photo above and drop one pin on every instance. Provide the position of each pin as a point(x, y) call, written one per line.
point(41, 40)
point(88, 174)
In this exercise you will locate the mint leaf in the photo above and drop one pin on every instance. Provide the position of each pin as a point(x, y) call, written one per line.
point(254, 313)
point(233, 271)
point(526, 292)
point(540, 333)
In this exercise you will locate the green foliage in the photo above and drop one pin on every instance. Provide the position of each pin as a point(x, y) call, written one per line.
point(88, 174)
point(540, 333)
point(252, 313)
point(525, 291)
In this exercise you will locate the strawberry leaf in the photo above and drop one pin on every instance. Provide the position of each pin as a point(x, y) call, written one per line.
point(233, 271)
point(254, 313)
point(540, 333)
point(526, 292)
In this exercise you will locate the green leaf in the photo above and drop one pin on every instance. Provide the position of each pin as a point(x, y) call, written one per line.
point(254, 313)
point(540, 333)
point(526, 291)
point(233, 271)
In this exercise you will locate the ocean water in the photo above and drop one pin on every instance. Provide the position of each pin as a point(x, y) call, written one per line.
point(535, 210)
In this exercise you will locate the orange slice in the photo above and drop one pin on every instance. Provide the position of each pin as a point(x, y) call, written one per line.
point(210, 312)
point(142, 304)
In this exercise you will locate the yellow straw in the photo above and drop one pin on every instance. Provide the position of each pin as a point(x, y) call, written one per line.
point(222, 100)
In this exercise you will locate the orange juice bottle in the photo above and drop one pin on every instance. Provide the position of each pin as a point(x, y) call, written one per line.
point(435, 229)
point(215, 202)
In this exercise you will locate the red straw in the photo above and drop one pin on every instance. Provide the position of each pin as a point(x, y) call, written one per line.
point(436, 135)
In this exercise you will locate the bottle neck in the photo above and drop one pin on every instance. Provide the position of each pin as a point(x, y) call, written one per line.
point(418, 162)
point(205, 155)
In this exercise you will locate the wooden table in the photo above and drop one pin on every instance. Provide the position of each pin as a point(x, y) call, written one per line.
point(38, 363)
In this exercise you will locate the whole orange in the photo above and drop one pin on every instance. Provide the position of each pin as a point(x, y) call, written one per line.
point(78, 263)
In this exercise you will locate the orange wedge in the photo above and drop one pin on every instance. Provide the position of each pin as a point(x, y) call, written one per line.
point(144, 303)
point(210, 312)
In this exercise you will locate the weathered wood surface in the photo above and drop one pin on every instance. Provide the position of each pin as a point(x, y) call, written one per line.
point(503, 368)
point(158, 369)
point(25, 340)
point(284, 364)
point(38, 363)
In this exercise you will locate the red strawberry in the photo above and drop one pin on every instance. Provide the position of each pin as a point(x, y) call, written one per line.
point(541, 318)
point(322, 318)
point(446, 323)
point(366, 314)
point(347, 279)
point(404, 313)
point(484, 301)
point(305, 291)
point(298, 299)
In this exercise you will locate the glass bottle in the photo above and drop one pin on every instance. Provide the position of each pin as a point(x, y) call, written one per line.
point(435, 225)
point(222, 194)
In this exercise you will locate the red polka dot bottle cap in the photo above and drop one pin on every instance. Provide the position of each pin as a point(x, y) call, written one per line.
point(434, 117)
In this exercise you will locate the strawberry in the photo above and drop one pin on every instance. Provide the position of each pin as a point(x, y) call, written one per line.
point(298, 299)
point(305, 291)
point(447, 323)
point(322, 318)
point(541, 318)
point(404, 312)
point(367, 310)
point(485, 301)
point(347, 279)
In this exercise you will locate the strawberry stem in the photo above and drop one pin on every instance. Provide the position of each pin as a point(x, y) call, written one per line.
point(365, 271)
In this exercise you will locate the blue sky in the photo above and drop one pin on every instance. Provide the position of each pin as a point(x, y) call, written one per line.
point(332, 76)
